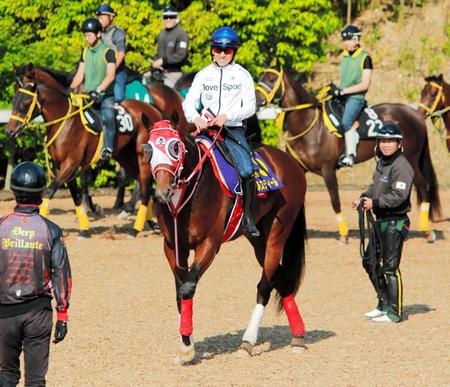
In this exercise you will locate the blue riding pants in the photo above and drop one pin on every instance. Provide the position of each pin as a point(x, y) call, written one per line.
point(119, 86)
point(239, 149)
point(352, 110)
point(109, 121)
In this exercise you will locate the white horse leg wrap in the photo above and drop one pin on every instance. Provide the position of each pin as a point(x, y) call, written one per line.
point(251, 334)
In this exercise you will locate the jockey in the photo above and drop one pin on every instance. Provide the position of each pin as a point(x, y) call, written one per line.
point(115, 37)
point(389, 199)
point(355, 76)
point(226, 91)
point(98, 68)
point(172, 49)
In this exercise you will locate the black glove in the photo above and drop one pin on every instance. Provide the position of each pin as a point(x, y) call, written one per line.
point(335, 91)
point(94, 96)
point(60, 331)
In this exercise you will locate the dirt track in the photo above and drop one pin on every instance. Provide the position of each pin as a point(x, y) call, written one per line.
point(123, 317)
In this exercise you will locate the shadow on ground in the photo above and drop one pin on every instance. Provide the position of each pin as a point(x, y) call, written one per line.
point(270, 339)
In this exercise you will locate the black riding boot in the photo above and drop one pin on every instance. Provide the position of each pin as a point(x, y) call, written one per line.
point(395, 290)
point(249, 191)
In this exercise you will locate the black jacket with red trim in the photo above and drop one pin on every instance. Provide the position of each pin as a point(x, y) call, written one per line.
point(33, 261)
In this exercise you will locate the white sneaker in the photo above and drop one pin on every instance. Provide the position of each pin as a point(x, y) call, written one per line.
point(374, 313)
point(383, 319)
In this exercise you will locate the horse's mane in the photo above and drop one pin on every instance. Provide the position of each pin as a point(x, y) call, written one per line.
point(298, 79)
point(62, 77)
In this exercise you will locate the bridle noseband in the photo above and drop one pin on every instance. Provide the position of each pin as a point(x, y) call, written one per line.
point(271, 92)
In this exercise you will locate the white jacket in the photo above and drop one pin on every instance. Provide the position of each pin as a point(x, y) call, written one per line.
point(227, 89)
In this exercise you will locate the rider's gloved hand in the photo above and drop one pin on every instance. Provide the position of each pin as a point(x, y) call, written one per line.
point(94, 96)
point(335, 91)
point(60, 331)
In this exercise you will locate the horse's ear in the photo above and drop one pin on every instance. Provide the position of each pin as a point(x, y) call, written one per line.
point(174, 118)
point(146, 121)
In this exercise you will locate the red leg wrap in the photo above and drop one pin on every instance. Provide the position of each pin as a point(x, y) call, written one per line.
point(293, 315)
point(186, 317)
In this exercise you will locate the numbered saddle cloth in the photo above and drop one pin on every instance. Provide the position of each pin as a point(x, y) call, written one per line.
point(368, 125)
point(136, 90)
point(228, 178)
point(124, 121)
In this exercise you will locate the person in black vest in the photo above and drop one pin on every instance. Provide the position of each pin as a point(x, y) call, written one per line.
point(172, 49)
point(389, 199)
point(33, 262)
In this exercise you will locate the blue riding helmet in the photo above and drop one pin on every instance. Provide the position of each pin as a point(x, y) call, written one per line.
point(389, 130)
point(105, 9)
point(350, 31)
point(225, 37)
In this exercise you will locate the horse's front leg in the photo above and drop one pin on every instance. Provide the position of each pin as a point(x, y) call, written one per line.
point(186, 280)
point(80, 210)
point(86, 178)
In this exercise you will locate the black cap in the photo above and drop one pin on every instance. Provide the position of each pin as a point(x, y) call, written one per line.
point(28, 180)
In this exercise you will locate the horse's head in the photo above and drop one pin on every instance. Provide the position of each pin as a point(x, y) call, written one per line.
point(432, 96)
point(26, 107)
point(165, 151)
point(270, 87)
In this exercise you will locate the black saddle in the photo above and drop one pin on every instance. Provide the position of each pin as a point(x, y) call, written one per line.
point(369, 122)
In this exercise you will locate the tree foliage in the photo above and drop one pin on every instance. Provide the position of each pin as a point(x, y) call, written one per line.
point(272, 32)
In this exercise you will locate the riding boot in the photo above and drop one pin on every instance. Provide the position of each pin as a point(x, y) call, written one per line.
point(379, 283)
point(108, 143)
point(395, 290)
point(249, 193)
point(351, 143)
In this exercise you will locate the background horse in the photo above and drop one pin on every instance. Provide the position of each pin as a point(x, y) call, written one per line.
point(192, 211)
point(71, 146)
point(165, 99)
point(435, 102)
point(318, 150)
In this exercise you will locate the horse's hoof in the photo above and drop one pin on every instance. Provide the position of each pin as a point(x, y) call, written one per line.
point(98, 210)
point(133, 234)
point(186, 354)
point(245, 349)
point(343, 239)
point(298, 344)
point(84, 234)
point(123, 215)
point(431, 236)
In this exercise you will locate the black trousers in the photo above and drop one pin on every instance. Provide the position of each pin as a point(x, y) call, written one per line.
point(31, 332)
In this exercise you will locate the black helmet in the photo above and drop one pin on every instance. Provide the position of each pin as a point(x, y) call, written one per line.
point(28, 181)
point(389, 130)
point(170, 11)
point(350, 31)
point(91, 25)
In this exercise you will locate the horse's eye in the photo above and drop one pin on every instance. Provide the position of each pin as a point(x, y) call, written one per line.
point(174, 150)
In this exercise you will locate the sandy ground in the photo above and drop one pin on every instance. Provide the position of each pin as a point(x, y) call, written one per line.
point(123, 317)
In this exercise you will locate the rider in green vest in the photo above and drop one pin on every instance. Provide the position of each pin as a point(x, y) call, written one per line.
point(355, 76)
point(97, 69)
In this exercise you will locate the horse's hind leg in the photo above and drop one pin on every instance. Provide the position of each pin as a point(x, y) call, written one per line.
point(86, 178)
point(329, 176)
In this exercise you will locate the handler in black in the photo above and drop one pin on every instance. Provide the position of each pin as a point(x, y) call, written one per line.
point(389, 198)
point(33, 261)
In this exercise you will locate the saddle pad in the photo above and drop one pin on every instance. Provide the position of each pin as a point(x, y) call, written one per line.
point(368, 122)
point(266, 180)
point(136, 90)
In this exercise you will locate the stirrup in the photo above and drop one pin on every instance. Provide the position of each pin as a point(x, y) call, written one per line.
point(346, 161)
point(106, 154)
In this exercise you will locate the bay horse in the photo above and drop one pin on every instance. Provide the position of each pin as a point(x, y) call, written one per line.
point(192, 211)
point(317, 150)
point(435, 102)
point(165, 99)
point(71, 146)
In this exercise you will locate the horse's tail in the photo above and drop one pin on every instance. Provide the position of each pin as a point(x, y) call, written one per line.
point(427, 170)
point(293, 263)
